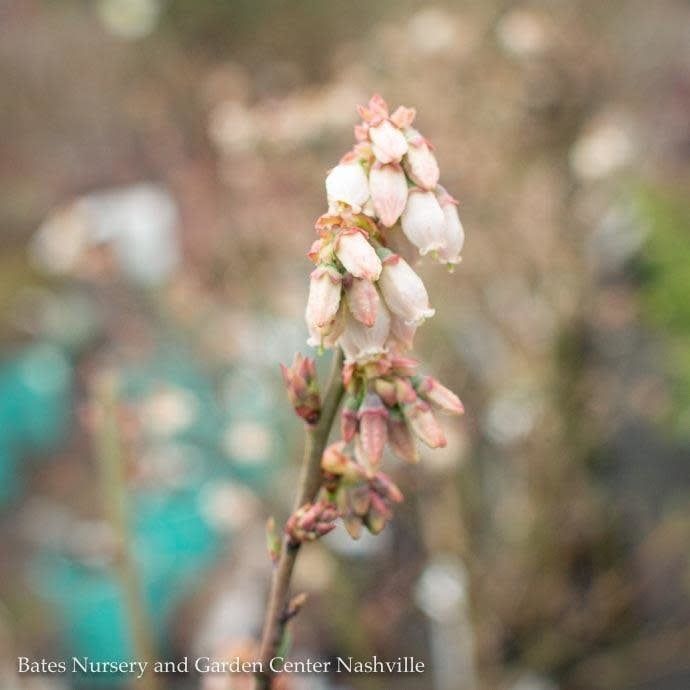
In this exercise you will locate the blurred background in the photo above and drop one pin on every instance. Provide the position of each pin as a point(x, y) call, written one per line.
point(161, 166)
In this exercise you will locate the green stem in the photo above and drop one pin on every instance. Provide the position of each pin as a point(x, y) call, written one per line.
point(111, 459)
point(310, 481)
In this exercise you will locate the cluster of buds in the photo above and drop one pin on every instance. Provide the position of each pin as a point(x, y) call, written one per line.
point(385, 210)
point(362, 498)
point(388, 402)
point(303, 389)
point(311, 521)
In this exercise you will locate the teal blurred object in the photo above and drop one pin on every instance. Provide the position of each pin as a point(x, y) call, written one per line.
point(9, 461)
point(35, 409)
point(88, 608)
point(172, 544)
point(226, 426)
point(35, 396)
point(233, 419)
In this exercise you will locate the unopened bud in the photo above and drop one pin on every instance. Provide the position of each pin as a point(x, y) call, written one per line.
point(400, 438)
point(403, 117)
point(311, 521)
point(404, 391)
point(438, 395)
point(302, 388)
point(360, 499)
point(363, 300)
point(386, 391)
point(353, 525)
point(348, 418)
point(372, 429)
point(385, 487)
point(336, 461)
point(374, 111)
point(379, 514)
point(424, 425)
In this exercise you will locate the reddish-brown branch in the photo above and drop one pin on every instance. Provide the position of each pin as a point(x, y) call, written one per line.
point(310, 481)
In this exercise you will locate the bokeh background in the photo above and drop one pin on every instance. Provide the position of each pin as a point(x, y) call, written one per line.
point(161, 166)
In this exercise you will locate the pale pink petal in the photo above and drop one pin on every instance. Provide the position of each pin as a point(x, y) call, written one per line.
point(388, 142)
point(404, 291)
point(423, 222)
point(363, 300)
point(388, 188)
point(357, 255)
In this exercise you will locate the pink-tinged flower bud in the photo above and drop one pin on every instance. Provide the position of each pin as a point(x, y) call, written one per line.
point(423, 222)
point(404, 391)
point(362, 132)
point(404, 291)
point(421, 166)
point(404, 366)
point(363, 300)
point(360, 342)
point(438, 395)
point(302, 387)
point(402, 335)
point(372, 429)
point(388, 191)
point(357, 255)
point(455, 233)
point(403, 117)
point(360, 499)
point(424, 425)
point(348, 418)
point(324, 296)
point(379, 514)
point(353, 525)
point(384, 486)
point(387, 142)
point(328, 335)
point(386, 391)
point(334, 459)
point(310, 522)
point(400, 438)
point(347, 183)
point(374, 111)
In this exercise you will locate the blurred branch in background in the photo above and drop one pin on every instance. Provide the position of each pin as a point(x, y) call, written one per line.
point(108, 446)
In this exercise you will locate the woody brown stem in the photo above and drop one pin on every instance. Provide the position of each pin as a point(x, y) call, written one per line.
point(309, 484)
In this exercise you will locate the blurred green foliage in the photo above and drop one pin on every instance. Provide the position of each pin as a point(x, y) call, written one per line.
point(666, 288)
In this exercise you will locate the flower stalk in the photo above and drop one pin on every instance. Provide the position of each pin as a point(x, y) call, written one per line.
point(385, 211)
point(316, 438)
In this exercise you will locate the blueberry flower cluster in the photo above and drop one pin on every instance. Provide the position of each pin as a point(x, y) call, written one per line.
point(386, 209)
